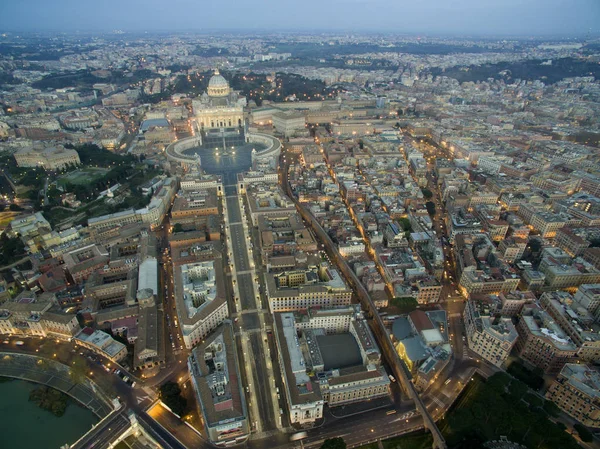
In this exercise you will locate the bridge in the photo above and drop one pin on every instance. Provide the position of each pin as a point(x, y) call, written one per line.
point(385, 343)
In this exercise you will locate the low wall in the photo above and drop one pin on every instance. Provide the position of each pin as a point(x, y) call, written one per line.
point(56, 375)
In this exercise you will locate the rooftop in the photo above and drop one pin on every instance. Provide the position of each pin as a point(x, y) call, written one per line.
point(215, 372)
point(583, 378)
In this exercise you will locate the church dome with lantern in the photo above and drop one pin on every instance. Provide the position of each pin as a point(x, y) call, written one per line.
point(218, 86)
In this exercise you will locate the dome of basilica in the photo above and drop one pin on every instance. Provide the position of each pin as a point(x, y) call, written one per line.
point(218, 86)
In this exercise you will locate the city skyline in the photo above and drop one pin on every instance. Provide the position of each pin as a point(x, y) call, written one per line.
point(466, 17)
point(289, 237)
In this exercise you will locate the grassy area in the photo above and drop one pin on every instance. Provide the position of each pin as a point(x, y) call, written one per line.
point(82, 176)
point(7, 217)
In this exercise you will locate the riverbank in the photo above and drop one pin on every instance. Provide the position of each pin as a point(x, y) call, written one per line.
point(25, 425)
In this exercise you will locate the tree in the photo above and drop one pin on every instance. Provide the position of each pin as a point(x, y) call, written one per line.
point(49, 399)
point(517, 389)
point(170, 394)
point(535, 245)
point(405, 304)
point(405, 223)
point(177, 228)
point(334, 443)
point(585, 435)
point(430, 206)
point(15, 207)
point(10, 249)
point(428, 194)
point(551, 408)
point(54, 195)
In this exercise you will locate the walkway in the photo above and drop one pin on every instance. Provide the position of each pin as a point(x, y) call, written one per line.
point(55, 375)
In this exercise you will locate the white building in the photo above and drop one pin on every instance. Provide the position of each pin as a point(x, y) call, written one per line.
point(49, 158)
point(492, 338)
point(299, 289)
point(101, 343)
point(588, 295)
point(201, 302)
point(333, 321)
point(288, 123)
point(303, 397)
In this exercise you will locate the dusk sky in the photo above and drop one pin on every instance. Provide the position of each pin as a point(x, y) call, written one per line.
point(464, 17)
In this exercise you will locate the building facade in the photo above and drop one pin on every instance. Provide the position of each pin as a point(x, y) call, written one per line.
point(576, 391)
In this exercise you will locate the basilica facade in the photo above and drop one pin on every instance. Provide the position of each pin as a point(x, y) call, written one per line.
point(219, 107)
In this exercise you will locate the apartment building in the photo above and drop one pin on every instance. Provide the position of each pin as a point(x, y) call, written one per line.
point(118, 219)
point(200, 299)
point(301, 289)
point(429, 290)
point(268, 200)
point(355, 385)
point(588, 296)
point(491, 337)
point(35, 315)
point(574, 241)
point(215, 374)
point(513, 302)
point(332, 320)
point(576, 391)
point(575, 321)
point(283, 235)
point(321, 340)
point(194, 203)
point(511, 249)
point(288, 123)
point(564, 272)
point(83, 261)
point(542, 342)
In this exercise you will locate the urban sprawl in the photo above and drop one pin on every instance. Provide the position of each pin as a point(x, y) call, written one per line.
point(275, 240)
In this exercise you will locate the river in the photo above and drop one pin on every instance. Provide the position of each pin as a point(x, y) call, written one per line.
point(26, 426)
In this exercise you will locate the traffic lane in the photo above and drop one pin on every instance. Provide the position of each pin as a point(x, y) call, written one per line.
point(255, 357)
point(265, 403)
point(250, 321)
point(103, 436)
point(175, 426)
point(233, 212)
point(360, 428)
point(110, 433)
point(246, 291)
point(66, 353)
point(456, 327)
point(238, 248)
point(165, 439)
